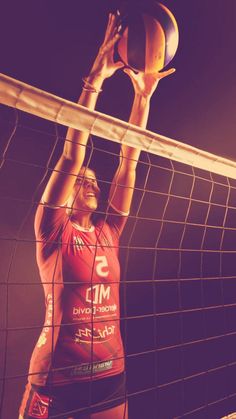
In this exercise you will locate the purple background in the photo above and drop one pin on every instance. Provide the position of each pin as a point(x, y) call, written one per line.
point(51, 45)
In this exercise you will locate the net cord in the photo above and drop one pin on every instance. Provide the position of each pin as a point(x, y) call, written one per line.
point(29, 99)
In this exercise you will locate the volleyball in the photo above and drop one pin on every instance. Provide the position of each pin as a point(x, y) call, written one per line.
point(150, 36)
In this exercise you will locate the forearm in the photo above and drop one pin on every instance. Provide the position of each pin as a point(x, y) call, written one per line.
point(139, 116)
point(67, 168)
point(140, 110)
point(76, 141)
point(122, 187)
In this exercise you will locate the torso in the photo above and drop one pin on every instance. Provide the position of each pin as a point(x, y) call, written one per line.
point(80, 272)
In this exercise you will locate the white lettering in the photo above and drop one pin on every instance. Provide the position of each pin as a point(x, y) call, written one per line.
point(48, 322)
point(98, 293)
point(98, 335)
point(86, 368)
point(78, 311)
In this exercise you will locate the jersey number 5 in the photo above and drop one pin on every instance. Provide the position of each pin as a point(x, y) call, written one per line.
point(101, 266)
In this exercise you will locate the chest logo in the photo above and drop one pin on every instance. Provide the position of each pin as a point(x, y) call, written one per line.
point(78, 243)
point(98, 293)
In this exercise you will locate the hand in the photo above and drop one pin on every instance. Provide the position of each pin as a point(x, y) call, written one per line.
point(145, 83)
point(104, 65)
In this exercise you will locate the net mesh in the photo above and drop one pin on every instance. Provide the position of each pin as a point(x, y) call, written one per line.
point(178, 289)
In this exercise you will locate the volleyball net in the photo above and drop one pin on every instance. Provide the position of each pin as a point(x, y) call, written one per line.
point(177, 255)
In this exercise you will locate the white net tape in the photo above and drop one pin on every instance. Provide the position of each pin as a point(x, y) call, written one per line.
point(40, 103)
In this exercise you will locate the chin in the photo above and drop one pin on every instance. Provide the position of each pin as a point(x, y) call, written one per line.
point(92, 207)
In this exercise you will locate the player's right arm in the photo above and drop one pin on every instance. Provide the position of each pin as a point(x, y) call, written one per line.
point(122, 187)
point(61, 182)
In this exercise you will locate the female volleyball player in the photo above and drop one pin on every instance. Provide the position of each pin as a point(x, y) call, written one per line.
point(79, 359)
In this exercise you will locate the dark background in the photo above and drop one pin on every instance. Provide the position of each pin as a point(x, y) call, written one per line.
point(51, 45)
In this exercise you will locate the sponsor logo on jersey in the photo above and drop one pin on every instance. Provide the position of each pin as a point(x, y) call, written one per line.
point(80, 311)
point(95, 335)
point(78, 242)
point(43, 336)
point(39, 406)
point(86, 369)
point(98, 293)
point(96, 296)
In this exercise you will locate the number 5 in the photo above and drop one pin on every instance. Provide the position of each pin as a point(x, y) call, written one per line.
point(101, 266)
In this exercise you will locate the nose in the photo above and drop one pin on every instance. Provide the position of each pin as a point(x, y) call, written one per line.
point(93, 187)
point(89, 185)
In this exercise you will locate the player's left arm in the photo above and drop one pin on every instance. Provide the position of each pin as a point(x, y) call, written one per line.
point(123, 183)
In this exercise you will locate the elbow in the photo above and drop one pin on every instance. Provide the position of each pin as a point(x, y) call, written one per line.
point(70, 159)
point(68, 164)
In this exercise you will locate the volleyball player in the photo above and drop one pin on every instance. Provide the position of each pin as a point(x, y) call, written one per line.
point(79, 358)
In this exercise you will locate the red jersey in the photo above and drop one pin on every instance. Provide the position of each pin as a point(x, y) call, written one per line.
point(80, 274)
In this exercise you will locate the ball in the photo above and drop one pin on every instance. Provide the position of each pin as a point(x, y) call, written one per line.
point(150, 36)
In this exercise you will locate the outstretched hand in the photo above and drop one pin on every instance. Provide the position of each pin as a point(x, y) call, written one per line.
point(146, 83)
point(104, 65)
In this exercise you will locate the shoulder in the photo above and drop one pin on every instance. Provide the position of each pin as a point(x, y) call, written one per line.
point(108, 230)
point(49, 218)
point(116, 220)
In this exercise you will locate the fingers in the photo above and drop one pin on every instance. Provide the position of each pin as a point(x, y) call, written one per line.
point(127, 70)
point(108, 28)
point(112, 28)
point(114, 39)
point(109, 44)
point(157, 75)
point(112, 34)
point(130, 72)
point(166, 73)
point(118, 65)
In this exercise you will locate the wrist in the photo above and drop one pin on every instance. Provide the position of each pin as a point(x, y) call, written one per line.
point(142, 99)
point(140, 110)
point(93, 81)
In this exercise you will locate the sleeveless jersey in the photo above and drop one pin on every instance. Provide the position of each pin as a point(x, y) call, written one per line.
point(80, 274)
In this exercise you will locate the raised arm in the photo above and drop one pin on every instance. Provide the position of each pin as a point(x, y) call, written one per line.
point(122, 187)
point(63, 177)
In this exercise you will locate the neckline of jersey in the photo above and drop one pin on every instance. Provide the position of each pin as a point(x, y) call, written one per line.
point(80, 228)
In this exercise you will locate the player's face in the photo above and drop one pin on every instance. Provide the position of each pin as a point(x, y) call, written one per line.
point(86, 191)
